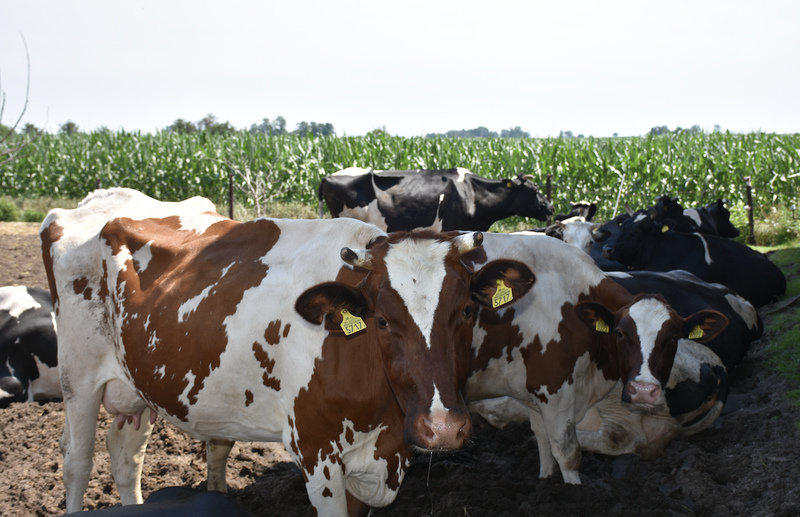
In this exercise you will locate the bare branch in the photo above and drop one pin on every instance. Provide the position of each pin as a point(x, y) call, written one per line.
point(11, 152)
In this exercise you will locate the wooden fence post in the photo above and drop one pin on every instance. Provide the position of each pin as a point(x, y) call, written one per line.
point(230, 193)
point(751, 238)
point(549, 193)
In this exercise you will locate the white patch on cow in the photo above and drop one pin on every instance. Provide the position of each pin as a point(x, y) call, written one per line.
point(189, 306)
point(436, 402)
point(369, 214)
point(143, 257)
point(649, 316)
point(618, 274)
point(352, 171)
point(437, 221)
point(579, 235)
point(693, 214)
point(184, 397)
point(416, 271)
point(161, 371)
point(641, 217)
point(744, 309)
point(705, 247)
point(462, 174)
point(5, 395)
point(47, 386)
point(16, 300)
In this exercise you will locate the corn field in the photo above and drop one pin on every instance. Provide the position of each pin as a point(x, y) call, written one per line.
point(696, 167)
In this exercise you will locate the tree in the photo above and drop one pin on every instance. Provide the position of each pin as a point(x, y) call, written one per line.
point(566, 134)
point(182, 127)
point(68, 128)
point(516, 132)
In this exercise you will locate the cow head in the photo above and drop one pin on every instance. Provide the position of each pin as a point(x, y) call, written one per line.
point(646, 334)
point(721, 219)
point(526, 198)
point(422, 301)
point(635, 240)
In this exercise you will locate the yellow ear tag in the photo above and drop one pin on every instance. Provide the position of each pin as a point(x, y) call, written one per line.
point(664, 229)
point(508, 184)
point(351, 324)
point(601, 326)
point(696, 333)
point(502, 296)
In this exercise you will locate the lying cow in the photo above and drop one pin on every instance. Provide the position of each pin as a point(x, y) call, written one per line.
point(259, 331)
point(28, 362)
point(695, 395)
point(570, 340)
point(711, 219)
point(643, 243)
point(441, 200)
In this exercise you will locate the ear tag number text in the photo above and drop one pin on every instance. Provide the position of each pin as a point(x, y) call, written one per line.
point(502, 295)
point(351, 324)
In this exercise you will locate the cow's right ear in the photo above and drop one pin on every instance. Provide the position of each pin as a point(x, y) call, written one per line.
point(501, 282)
point(330, 298)
point(596, 317)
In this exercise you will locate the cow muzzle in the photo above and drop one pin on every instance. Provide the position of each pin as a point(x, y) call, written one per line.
point(646, 396)
point(441, 430)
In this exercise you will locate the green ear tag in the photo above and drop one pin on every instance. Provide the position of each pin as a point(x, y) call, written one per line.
point(351, 324)
point(664, 229)
point(696, 333)
point(601, 326)
point(502, 296)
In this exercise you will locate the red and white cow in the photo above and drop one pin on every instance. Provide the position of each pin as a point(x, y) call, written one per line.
point(695, 395)
point(565, 345)
point(258, 331)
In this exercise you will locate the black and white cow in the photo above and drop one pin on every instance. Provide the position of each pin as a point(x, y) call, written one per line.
point(441, 200)
point(688, 294)
point(28, 349)
point(711, 219)
point(643, 243)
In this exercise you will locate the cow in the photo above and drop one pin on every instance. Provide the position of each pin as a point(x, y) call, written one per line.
point(574, 335)
point(685, 292)
point(348, 345)
point(688, 294)
point(584, 209)
point(441, 200)
point(575, 231)
point(711, 219)
point(28, 347)
point(643, 243)
point(695, 395)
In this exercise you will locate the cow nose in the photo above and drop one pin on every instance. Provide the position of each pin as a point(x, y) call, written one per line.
point(442, 430)
point(607, 252)
point(644, 393)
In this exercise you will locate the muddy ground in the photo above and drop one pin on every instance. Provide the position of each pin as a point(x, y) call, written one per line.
point(747, 464)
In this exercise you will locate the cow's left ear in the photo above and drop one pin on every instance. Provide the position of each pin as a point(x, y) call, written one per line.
point(596, 317)
point(501, 282)
point(330, 298)
point(704, 326)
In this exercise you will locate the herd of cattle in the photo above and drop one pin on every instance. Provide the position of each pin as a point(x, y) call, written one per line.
point(355, 343)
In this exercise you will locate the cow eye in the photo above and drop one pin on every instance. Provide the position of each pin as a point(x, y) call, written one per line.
point(467, 311)
point(382, 323)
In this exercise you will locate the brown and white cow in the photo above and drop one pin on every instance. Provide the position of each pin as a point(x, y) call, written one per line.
point(258, 331)
point(565, 345)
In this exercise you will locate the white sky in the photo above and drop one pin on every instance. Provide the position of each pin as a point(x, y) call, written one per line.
point(414, 67)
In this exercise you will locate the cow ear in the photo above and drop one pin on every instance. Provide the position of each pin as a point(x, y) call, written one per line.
point(330, 298)
point(667, 225)
point(596, 317)
point(704, 326)
point(501, 282)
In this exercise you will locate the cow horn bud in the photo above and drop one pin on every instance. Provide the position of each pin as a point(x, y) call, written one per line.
point(653, 213)
point(528, 177)
point(357, 258)
point(468, 242)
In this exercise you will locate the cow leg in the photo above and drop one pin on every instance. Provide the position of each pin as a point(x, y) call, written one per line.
point(126, 448)
point(547, 463)
point(559, 425)
point(77, 445)
point(217, 452)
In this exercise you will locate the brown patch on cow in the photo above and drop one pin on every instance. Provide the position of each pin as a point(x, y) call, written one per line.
point(327, 472)
point(81, 286)
point(273, 332)
point(327, 492)
point(267, 363)
point(248, 397)
point(286, 329)
point(213, 269)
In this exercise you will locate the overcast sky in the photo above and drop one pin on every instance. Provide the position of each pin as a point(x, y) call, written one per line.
point(414, 67)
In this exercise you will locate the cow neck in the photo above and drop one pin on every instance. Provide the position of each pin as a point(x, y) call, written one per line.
point(492, 205)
